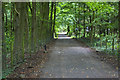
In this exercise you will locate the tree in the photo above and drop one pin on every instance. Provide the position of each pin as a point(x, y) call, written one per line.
point(51, 18)
point(54, 17)
point(119, 32)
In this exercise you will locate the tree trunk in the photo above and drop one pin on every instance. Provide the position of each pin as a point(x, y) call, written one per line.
point(41, 24)
point(48, 23)
point(54, 17)
point(119, 32)
point(79, 21)
point(19, 32)
point(92, 29)
point(33, 39)
point(84, 23)
point(26, 28)
point(47, 28)
point(3, 40)
point(16, 49)
point(11, 34)
point(51, 19)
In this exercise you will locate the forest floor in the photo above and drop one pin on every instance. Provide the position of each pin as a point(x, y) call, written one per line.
point(68, 58)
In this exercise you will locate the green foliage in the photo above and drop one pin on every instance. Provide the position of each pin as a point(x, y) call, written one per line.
point(98, 21)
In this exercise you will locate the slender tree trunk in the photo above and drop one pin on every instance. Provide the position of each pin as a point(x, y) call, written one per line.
point(100, 31)
point(79, 21)
point(119, 38)
point(94, 12)
point(54, 17)
point(84, 23)
point(16, 49)
point(3, 40)
point(44, 23)
point(11, 34)
point(33, 39)
point(113, 42)
point(75, 22)
point(48, 23)
point(51, 19)
point(26, 28)
point(92, 29)
point(37, 28)
point(41, 24)
point(119, 19)
point(119, 32)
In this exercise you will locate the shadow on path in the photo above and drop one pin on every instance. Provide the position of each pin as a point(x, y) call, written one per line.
point(71, 59)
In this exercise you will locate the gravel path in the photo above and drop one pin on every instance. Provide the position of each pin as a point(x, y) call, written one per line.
point(69, 59)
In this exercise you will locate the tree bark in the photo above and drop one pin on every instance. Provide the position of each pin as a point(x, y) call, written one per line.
point(11, 33)
point(54, 17)
point(19, 32)
point(26, 28)
point(84, 23)
point(33, 39)
point(51, 19)
point(119, 20)
point(3, 40)
point(119, 32)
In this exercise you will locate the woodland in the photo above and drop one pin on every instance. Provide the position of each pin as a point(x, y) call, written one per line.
point(28, 26)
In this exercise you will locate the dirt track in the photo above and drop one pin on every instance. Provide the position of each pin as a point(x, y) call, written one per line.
point(67, 58)
point(70, 59)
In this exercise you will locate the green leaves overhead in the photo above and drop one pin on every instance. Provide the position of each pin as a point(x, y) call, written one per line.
point(102, 10)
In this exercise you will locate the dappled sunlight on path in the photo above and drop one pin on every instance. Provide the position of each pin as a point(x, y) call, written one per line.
point(63, 35)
